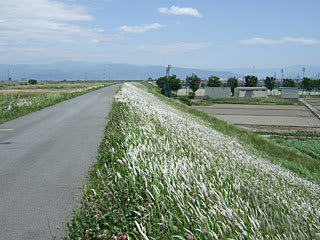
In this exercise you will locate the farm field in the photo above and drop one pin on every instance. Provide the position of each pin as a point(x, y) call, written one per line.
point(18, 99)
point(268, 117)
point(310, 147)
point(167, 171)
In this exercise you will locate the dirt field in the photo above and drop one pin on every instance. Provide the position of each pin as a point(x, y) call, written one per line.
point(269, 117)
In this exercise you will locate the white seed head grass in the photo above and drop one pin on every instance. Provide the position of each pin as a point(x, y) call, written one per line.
point(215, 182)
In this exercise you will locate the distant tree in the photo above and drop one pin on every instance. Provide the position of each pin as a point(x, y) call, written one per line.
point(251, 81)
point(150, 79)
point(202, 85)
point(193, 82)
point(175, 83)
point(214, 81)
point(233, 83)
point(307, 84)
point(288, 82)
point(32, 81)
point(160, 83)
point(270, 83)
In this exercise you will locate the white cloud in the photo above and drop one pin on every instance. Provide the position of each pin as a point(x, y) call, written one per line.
point(140, 29)
point(174, 10)
point(283, 40)
point(180, 47)
point(45, 20)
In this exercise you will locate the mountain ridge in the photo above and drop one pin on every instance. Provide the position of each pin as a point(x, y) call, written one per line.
point(95, 71)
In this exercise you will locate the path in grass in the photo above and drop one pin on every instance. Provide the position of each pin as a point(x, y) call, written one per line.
point(164, 173)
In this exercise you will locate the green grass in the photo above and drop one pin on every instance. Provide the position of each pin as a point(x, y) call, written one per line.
point(14, 105)
point(302, 164)
point(236, 100)
point(310, 147)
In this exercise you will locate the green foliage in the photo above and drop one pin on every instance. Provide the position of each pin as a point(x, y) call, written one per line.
point(175, 83)
point(214, 81)
point(233, 83)
point(288, 82)
point(307, 84)
point(185, 100)
point(251, 81)
point(32, 81)
point(194, 82)
point(161, 81)
point(310, 147)
point(191, 95)
point(270, 82)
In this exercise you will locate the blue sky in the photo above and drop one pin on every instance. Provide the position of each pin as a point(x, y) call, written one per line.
point(208, 34)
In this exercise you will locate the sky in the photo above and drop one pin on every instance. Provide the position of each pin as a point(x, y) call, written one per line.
point(206, 34)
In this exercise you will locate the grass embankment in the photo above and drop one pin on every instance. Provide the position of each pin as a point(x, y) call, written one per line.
point(286, 157)
point(17, 100)
point(237, 100)
point(163, 173)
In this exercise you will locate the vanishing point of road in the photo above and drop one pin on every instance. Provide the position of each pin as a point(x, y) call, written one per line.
point(44, 158)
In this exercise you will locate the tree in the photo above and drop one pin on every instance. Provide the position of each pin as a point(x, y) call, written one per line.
point(175, 83)
point(270, 82)
point(233, 83)
point(307, 84)
point(32, 81)
point(160, 83)
point(214, 81)
point(251, 81)
point(288, 82)
point(193, 82)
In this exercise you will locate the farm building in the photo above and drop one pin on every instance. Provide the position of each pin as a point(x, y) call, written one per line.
point(289, 93)
point(218, 92)
point(251, 92)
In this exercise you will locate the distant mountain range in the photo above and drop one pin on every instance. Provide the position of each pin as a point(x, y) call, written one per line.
point(295, 71)
point(70, 70)
point(95, 71)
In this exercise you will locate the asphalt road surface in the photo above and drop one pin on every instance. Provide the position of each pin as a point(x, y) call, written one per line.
point(44, 158)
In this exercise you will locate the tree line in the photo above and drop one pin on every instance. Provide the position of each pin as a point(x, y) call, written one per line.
point(193, 82)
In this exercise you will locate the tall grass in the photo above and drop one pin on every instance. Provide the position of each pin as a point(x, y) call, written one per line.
point(166, 174)
point(14, 105)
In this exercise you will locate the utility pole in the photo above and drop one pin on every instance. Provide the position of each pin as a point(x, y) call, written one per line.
point(303, 72)
point(8, 75)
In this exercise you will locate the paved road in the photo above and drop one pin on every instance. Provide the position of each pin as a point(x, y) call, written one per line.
point(264, 115)
point(43, 162)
